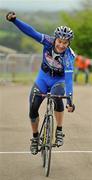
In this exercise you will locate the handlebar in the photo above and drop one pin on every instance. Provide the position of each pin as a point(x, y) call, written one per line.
point(49, 95)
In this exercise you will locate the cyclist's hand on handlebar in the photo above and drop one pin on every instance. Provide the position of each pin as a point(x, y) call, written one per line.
point(70, 108)
point(11, 16)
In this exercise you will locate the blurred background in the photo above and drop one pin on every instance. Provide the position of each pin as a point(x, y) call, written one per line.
point(20, 59)
point(20, 56)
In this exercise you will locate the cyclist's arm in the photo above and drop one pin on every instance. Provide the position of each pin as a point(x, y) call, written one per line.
point(69, 84)
point(69, 76)
point(29, 30)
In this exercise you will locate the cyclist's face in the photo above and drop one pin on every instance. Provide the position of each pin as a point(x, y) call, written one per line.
point(61, 45)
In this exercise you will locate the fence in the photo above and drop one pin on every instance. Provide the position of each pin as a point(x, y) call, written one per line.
point(19, 67)
point(23, 68)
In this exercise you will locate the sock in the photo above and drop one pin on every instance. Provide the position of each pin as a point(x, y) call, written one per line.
point(59, 128)
point(35, 134)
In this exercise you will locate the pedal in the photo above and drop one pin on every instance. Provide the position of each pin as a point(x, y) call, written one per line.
point(54, 145)
point(63, 135)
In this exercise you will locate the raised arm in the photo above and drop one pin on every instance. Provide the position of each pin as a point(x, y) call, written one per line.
point(25, 28)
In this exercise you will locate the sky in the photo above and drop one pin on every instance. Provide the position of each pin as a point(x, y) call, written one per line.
point(34, 5)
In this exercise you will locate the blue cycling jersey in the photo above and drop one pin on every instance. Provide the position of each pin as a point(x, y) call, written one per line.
point(62, 63)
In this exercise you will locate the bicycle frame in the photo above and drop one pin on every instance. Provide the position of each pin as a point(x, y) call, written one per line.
point(49, 110)
point(46, 131)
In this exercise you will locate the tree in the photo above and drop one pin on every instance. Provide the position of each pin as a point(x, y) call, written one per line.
point(81, 24)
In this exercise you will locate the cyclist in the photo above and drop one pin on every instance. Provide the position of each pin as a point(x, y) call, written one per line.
point(55, 75)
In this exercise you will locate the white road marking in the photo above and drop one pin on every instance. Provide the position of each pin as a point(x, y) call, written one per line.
point(28, 152)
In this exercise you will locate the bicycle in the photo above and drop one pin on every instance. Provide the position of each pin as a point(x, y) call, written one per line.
point(47, 129)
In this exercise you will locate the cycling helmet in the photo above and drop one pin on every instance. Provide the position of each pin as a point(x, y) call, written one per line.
point(64, 32)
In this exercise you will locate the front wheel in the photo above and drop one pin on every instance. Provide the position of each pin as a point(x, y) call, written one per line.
point(43, 154)
point(48, 145)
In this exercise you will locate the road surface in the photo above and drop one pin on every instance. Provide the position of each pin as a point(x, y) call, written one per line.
point(71, 162)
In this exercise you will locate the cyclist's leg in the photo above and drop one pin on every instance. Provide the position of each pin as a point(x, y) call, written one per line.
point(58, 89)
point(35, 102)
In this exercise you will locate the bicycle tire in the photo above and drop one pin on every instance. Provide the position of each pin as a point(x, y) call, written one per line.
point(48, 146)
point(43, 139)
point(43, 154)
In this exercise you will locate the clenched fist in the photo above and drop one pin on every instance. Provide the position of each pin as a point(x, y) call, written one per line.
point(11, 16)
